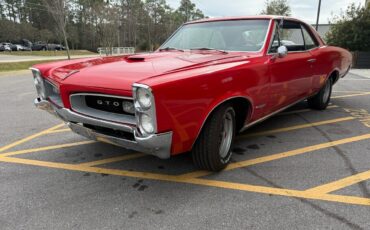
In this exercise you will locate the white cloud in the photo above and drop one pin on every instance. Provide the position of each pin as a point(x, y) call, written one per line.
point(302, 9)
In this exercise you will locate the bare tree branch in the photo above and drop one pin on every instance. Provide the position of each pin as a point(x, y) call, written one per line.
point(58, 9)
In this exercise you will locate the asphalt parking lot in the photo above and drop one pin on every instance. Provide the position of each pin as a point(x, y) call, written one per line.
point(301, 169)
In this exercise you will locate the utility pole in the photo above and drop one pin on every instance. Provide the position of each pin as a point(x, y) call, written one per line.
point(318, 16)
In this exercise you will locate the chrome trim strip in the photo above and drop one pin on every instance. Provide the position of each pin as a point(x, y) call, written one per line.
point(269, 115)
point(35, 69)
point(142, 86)
point(100, 95)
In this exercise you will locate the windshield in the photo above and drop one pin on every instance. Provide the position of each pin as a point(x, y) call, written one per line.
point(233, 35)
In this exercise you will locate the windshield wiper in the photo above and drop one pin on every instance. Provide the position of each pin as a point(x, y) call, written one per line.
point(171, 48)
point(204, 48)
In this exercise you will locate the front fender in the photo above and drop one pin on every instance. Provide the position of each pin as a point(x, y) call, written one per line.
point(184, 105)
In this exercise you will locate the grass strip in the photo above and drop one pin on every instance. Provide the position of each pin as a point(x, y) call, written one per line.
point(13, 66)
point(49, 53)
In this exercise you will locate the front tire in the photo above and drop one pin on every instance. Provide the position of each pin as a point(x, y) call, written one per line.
point(321, 100)
point(212, 150)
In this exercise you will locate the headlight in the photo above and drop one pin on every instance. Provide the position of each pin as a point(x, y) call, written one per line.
point(144, 106)
point(143, 96)
point(39, 83)
point(146, 123)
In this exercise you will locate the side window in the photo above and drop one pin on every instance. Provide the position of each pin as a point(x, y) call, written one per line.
point(291, 36)
point(310, 42)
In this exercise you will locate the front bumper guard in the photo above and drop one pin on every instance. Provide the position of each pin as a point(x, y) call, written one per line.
point(157, 144)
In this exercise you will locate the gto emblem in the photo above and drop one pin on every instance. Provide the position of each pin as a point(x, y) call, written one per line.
point(108, 103)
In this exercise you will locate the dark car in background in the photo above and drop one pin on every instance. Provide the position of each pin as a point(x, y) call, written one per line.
point(18, 47)
point(46, 46)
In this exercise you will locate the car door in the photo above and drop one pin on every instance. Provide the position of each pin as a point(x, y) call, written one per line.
point(319, 60)
point(290, 76)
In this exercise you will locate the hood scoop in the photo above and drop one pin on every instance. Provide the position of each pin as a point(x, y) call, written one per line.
point(136, 59)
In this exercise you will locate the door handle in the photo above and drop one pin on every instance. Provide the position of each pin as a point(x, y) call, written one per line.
point(311, 60)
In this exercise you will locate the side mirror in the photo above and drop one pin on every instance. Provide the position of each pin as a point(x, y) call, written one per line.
point(282, 51)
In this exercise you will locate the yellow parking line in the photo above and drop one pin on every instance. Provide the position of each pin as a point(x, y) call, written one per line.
point(346, 91)
point(76, 167)
point(113, 159)
point(297, 151)
point(303, 110)
point(6, 147)
point(45, 148)
point(353, 95)
point(194, 181)
point(255, 134)
point(60, 131)
point(280, 192)
point(342, 183)
point(282, 155)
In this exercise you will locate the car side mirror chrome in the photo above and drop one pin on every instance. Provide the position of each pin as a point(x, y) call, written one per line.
point(282, 51)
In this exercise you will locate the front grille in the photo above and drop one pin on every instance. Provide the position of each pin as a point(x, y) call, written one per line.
point(108, 104)
point(89, 104)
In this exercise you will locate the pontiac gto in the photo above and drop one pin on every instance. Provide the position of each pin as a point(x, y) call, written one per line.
point(210, 80)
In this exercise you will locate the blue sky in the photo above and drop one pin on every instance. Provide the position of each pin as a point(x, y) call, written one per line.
point(303, 9)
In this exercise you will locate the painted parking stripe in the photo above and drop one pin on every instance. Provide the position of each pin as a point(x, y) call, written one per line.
point(282, 155)
point(114, 159)
point(291, 128)
point(45, 148)
point(59, 131)
point(9, 146)
point(342, 183)
point(280, 192)
point(76, 167)
point(352, 95)
point(194, 181)
point(347, 91)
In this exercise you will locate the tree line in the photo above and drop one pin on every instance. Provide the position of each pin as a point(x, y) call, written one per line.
point(89, 24)
point(143, 24)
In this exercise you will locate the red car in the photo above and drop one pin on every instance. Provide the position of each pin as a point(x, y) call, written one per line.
point(209, 81)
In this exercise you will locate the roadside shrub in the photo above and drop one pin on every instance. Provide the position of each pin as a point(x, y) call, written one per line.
point(351, 29)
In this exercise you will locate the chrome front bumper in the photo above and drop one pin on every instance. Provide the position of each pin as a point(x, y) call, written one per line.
point(157, 144)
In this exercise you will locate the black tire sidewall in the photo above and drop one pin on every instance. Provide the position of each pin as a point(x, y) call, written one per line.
point(317, 101)
point(325, 103)
point(206, 151)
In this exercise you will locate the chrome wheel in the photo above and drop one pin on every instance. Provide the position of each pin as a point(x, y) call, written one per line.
point(226, 134)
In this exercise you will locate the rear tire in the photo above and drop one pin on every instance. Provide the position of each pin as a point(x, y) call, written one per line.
point(212, 150)
point(321, 100)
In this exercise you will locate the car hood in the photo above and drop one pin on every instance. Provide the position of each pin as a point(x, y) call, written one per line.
point(122, 71)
